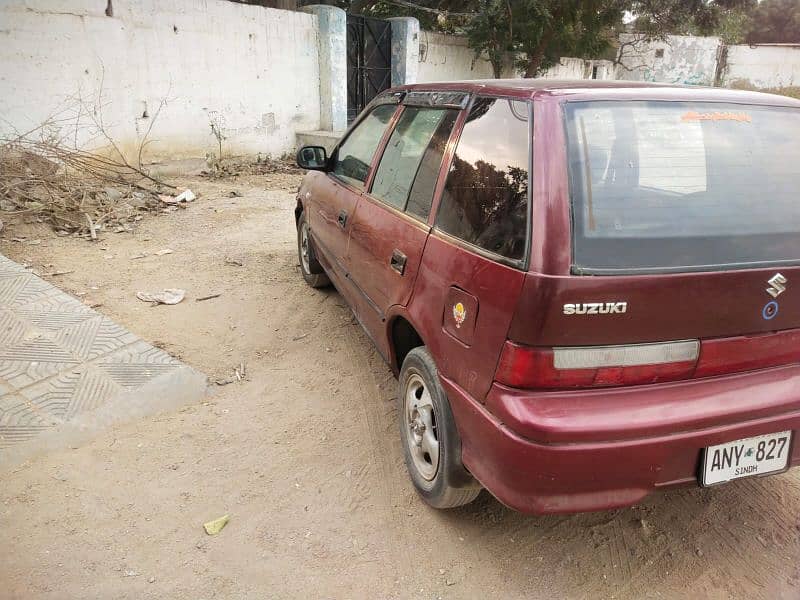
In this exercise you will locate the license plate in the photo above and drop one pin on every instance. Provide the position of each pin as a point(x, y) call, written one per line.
point(744, 458)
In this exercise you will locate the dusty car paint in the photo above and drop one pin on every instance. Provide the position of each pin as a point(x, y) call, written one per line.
point(567, 450)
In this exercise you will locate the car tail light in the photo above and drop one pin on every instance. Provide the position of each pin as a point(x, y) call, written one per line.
point(590, 366)
point(747, 353)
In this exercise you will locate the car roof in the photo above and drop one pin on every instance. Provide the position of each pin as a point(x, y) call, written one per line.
point(585, 89)
point(539, 84)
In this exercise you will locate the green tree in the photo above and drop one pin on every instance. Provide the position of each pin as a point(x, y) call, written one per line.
point(686, 17)
point(542, 31)
point(775, 21)
point(437, 15)
point(559, 28)
point(734, 26)
point(491, 32)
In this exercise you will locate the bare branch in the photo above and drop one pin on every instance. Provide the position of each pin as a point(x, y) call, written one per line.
point(44, 173)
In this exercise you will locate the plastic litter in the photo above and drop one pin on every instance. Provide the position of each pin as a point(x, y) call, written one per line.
point(167, 296)
point(215, 526)
point(185, 196)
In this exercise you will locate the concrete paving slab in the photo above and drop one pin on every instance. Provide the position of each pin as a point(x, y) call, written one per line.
point(67, 372)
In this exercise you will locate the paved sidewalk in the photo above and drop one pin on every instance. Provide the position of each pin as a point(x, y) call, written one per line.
point(66, 371)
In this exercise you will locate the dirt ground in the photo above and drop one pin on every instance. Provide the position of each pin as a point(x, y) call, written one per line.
point(305, 457)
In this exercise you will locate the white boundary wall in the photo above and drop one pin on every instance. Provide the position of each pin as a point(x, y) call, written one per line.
point(449, 58)
point(252, 69)
point(682, 59)
point(695, 60)
point(764, 66)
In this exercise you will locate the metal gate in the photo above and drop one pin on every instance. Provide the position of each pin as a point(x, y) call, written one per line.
point(369, 61)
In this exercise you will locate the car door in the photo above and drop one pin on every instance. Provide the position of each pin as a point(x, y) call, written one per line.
point(332, 197)
point(475, 258)
point(390, 227)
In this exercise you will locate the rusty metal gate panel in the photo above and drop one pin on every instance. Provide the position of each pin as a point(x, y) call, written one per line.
point(369, 61)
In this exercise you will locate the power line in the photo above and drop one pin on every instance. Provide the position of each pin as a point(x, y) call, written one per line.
point(436, 11)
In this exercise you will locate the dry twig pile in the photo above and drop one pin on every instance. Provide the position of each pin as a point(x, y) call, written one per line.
point(74, 190)
point(262, 165)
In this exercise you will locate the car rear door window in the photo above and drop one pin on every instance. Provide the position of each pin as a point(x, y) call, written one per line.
point(485, 200)
point(409, 167)
point(354, 155)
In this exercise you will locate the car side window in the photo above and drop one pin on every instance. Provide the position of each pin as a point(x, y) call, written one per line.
point(354, 155)
point(407, 173)
point(485, 200)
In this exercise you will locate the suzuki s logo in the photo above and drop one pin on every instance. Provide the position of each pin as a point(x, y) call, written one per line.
point(596, 308)
point(777, 285)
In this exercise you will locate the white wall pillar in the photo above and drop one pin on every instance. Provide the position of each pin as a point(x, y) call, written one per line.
point(405, 50)
point(332, 46)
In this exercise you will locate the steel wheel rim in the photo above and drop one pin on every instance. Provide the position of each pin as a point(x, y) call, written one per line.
point(421, 430)
point(304, 248)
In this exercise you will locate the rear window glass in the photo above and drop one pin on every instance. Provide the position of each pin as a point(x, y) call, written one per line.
point(485, 199)
point(683, 186)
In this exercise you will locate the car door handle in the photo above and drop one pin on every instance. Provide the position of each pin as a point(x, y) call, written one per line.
point(398, 261)
point(342, 218)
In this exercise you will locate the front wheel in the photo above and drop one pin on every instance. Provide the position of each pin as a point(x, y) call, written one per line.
point(431, 443)
point(312, 271)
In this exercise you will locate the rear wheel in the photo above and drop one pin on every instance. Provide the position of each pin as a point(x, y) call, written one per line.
point(312, 271)
point(431, 443)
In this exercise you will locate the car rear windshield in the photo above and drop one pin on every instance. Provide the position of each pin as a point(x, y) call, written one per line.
point(683, 186)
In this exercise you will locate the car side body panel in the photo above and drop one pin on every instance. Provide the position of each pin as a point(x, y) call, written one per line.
point(447, 264)
point(326, 200)
point(385, 251)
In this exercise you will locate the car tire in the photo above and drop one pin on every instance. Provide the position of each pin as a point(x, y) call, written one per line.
point(431, 444)
point(312, 271)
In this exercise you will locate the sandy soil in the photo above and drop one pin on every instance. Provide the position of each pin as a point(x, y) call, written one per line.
point(305, 457)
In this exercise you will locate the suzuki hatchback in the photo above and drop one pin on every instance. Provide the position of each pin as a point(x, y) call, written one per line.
point(589, 291)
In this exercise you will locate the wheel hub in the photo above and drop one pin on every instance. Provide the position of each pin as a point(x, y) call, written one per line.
point(417, 429)
point(421, 431)
point(304, 253)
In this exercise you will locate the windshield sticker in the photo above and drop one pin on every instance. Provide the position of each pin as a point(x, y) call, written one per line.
point(717, 116)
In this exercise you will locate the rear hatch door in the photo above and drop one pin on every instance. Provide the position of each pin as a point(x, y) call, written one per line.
point(685, 225)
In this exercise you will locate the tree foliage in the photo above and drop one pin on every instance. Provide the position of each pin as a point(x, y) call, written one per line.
point(540, 32)
point(436, 15)
point(775, 21)
point(491, 32)
point(685, 17)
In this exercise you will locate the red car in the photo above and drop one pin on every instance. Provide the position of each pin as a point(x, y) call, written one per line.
point(589, 291)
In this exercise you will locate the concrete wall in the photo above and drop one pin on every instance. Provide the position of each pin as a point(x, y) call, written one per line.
point(678, 59)
point(449, 58)
point(690, 60)
point(766, 66)
point(567, 68)
point(405, 50)
point(705, 61)
point(579, 68)
point(252, 70)
point(332, 65)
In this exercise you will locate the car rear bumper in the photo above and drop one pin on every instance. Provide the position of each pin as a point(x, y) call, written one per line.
point(617, 450)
